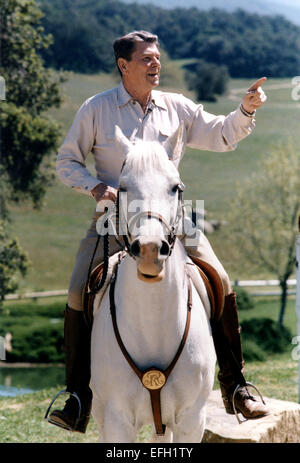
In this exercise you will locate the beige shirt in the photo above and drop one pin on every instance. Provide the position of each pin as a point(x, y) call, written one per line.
point(93, 131)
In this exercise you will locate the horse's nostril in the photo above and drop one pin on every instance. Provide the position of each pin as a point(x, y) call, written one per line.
point(135, 248)
point(165, 249)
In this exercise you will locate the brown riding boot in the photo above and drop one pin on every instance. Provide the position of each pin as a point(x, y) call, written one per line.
point(227, 340)
point(77, 347)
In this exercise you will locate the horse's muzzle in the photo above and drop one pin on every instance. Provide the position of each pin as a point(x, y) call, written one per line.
point(151, 256)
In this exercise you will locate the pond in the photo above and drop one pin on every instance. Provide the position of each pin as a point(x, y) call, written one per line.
point(21, 380)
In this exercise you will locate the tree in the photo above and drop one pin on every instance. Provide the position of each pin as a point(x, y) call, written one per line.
point(263, 219)
point(28, 136)
point(207, 80)
point(13, 260)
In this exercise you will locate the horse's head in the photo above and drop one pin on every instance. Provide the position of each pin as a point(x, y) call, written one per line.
point(150, 201)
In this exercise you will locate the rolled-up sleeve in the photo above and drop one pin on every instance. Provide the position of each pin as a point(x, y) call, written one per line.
point(206, 131)
point(71, 160)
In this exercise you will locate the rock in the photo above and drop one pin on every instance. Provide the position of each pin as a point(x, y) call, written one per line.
point(281, 426)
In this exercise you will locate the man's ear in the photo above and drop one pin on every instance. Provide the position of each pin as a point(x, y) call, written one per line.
point(122, 64)
point(122, 140)
point(174, 144)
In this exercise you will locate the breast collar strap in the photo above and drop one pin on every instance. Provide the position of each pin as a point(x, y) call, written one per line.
point(153, 379)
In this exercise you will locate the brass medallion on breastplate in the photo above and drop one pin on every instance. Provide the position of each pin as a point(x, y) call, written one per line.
point(153, 379)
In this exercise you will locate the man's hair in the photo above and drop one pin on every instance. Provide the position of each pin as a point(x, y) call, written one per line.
point(126, 45)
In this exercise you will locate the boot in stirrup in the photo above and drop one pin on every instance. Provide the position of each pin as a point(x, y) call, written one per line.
point(76, 412)
point(227, 340)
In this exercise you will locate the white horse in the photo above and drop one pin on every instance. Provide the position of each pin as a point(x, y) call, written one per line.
point(150, 297)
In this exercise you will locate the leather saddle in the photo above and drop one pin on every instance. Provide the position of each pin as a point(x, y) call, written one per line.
point(209, 275)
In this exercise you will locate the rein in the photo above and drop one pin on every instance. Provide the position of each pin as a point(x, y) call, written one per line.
point(153, 379)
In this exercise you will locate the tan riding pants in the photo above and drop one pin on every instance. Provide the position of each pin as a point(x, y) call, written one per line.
point(200, 248)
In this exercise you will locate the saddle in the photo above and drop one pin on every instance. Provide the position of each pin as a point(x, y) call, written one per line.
point(208, 274)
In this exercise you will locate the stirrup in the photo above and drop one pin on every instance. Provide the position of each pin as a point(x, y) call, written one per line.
point(68, 428)
point(239, 386)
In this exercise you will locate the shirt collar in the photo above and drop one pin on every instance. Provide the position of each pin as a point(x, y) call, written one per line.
point(124, 97)
point(158, 100)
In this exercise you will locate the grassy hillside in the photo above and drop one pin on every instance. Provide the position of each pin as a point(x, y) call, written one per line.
point(51, 235)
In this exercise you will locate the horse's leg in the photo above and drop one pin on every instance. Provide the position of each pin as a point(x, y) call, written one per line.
point(118, 427)
point(190, 426)
point(98, 414)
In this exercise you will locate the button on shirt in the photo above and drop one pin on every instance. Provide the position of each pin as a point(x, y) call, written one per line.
point(93, 132)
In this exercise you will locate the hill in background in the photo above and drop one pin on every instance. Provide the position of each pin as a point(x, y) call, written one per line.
point(288, 8)
point(247, 43)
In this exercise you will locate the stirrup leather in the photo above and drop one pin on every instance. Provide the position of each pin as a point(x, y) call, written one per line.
point(48, 418)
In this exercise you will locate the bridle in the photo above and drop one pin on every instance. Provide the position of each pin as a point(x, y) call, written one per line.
point(171, 229)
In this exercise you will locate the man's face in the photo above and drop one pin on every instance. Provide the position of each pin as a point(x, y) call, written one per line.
point(142, 71)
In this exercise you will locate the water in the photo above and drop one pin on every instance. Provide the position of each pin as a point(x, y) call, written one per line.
point(22, 380)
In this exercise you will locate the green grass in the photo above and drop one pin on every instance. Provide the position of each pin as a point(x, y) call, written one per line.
point(51, 236)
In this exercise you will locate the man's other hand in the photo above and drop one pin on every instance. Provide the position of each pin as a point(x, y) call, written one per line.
point(103, 192)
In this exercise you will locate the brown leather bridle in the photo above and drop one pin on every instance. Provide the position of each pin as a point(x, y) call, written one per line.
point(170, 229)
point(153, 378)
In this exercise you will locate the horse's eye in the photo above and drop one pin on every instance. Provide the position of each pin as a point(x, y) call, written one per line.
point(175, 188)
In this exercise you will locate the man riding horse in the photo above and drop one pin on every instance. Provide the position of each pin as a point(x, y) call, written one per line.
point(143, 113)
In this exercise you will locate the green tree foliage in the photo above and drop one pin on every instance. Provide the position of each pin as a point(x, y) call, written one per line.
point(12, 261)
point(248, 44)
point(207, 80)
point(28, 136)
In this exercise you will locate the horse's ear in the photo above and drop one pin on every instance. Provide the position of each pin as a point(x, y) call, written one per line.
point(122, 140)
point(175, 143)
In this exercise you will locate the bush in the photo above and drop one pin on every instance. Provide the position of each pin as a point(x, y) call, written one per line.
point(33, 309)
point(206, 79)
point(244, 300)
point(267, 334)
point(38, 342)
point(37, 331)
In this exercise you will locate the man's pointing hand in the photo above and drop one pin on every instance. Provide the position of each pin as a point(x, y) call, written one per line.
point(255, 96)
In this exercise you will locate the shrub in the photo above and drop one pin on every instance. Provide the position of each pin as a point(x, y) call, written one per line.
point(267, 334)
point(39, 342)
point(34, 309)
point(206, 79)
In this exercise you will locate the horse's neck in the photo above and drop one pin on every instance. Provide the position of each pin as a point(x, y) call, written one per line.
point(171, 288)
